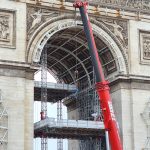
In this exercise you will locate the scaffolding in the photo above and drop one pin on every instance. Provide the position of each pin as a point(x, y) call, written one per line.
point(3, 125)
point(44, 140)
point(93, 144)
point(88, 107)
point(59, 118)
point(70, 129)
point(86, 103)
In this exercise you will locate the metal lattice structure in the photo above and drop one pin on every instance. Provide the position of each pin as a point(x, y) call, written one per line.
point(3, 125)
point(90, 144)
point(88, 109)
point(44, 140)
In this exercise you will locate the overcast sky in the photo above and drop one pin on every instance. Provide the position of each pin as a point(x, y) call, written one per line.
point(52, 112)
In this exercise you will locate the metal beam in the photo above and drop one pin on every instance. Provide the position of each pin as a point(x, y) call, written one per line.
point(100, 51)
point(83, 43)
point(58, 47)
point(71, 53)
point(82, 77)
point(63, 66)
point(65, 55)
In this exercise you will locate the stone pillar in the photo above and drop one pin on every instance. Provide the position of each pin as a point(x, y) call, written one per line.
point(129, 96)
point(17, 86)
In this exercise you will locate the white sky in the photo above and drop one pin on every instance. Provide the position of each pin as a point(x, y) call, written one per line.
point(52, 112)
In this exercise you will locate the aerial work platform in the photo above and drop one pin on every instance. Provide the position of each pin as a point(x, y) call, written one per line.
point(55, 91)
point(68, 129)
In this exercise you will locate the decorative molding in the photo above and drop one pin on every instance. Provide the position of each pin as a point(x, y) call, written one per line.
point(128, 4)
point(145, 47)
point(7, 28)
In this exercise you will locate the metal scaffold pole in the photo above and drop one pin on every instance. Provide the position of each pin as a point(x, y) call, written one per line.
point(59, 118)
point(44, 140)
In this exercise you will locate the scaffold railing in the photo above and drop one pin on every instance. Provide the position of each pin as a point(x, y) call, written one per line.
point(53, 122)
point(59, 86)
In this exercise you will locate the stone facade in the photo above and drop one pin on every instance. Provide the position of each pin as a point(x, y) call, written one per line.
point(24, 25)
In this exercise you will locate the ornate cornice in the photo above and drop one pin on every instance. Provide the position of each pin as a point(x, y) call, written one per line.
point(126, 5)
point(129, 5)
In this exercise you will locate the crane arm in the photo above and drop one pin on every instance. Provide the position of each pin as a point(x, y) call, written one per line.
point(102, 86)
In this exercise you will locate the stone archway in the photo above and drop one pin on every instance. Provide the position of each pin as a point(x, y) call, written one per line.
point(49, 28)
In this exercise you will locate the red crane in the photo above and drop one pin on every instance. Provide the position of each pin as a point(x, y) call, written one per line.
point(102, 86)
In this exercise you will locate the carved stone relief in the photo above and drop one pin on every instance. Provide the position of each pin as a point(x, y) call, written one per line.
point(7, 25)
point(145, 47)
point(36, 16)
point(118, 27)
point(130, 4)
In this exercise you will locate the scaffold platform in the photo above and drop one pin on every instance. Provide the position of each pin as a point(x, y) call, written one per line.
point(55, 91)
point(68, 129)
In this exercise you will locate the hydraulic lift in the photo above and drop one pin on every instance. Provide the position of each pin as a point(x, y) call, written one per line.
point(102, 86)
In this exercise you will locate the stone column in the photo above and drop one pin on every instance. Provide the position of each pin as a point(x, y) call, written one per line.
point(17, 86)
point(129, 95)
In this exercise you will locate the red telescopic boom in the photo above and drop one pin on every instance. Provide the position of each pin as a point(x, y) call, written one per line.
point(102, 87)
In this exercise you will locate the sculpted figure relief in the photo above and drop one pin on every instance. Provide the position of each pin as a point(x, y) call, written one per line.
point(117, 29)
point(4, 28)
point(37, 18)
